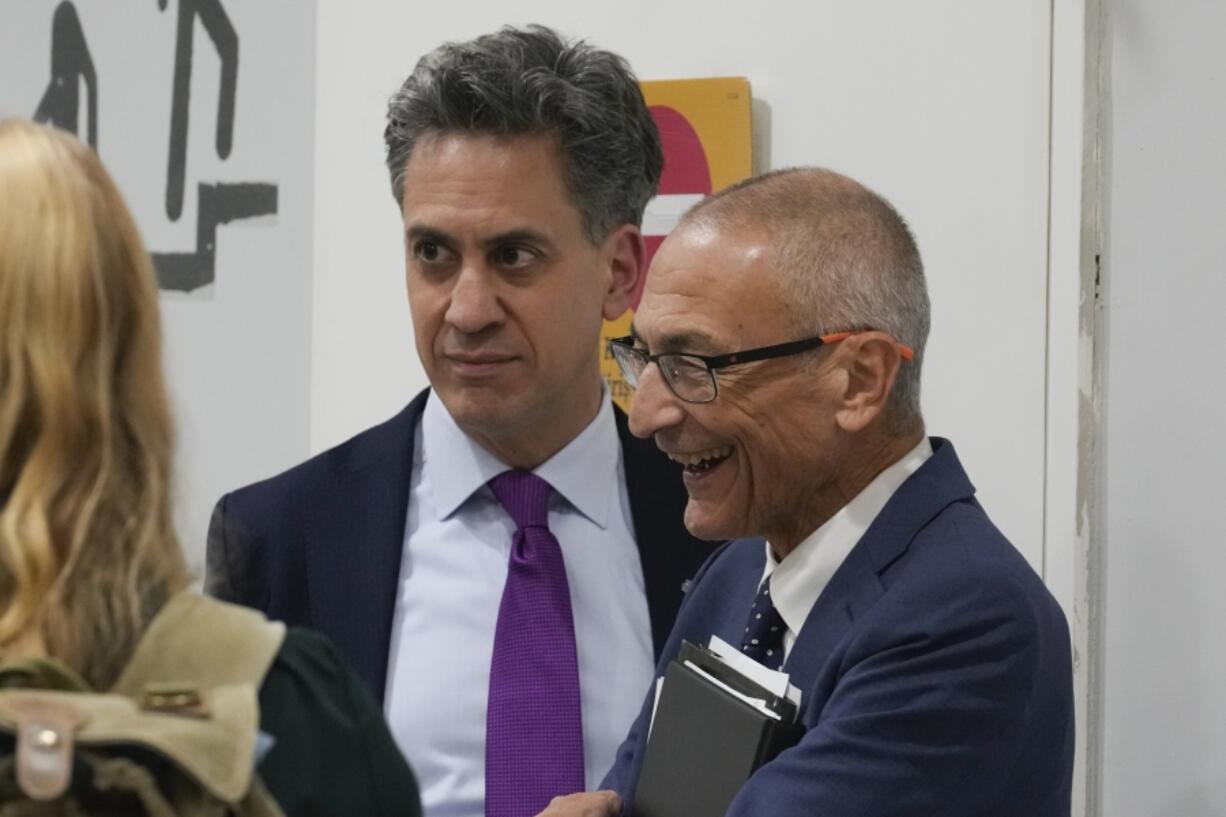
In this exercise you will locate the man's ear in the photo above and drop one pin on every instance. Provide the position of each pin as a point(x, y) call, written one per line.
point(871, 360)
point(627, 261)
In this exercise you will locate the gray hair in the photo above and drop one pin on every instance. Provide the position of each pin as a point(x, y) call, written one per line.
point(530, 81)
point(847, 258)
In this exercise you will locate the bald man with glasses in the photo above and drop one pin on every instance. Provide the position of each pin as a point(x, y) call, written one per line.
point(935, 666)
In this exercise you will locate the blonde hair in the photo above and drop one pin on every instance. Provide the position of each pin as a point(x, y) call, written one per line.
point(88, 550)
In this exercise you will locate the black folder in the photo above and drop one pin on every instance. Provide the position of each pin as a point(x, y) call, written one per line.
point(713, 665)
point(704, 745)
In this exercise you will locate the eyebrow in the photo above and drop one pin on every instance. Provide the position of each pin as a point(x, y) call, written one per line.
point(678, 342)
point(521, 235)
point(428, 234)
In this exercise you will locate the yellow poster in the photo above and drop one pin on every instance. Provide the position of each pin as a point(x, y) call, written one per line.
point(705, 129)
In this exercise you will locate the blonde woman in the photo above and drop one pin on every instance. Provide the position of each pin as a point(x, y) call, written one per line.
point(88, 552)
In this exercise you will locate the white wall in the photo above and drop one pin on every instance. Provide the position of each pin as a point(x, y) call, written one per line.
point(1164, 655)
point(942, 106)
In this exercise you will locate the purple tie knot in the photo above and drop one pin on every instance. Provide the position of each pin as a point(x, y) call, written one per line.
point(525, 496)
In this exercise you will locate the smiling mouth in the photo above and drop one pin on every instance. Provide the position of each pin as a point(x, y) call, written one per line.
point(700, 462)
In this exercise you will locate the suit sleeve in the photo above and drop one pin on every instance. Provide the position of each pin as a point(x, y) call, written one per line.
point(628, 760)
point(232, 568)
point(929, 715)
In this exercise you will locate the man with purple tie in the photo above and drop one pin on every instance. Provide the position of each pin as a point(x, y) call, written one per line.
point(502, 561)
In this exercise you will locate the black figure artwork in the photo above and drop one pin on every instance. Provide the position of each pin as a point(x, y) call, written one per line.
point(217, 203)
point(225, 40)
point(70, 64)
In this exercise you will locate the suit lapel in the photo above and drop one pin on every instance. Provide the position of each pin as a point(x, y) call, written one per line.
point(853, 589)
point(857, 585)
point(356, 541)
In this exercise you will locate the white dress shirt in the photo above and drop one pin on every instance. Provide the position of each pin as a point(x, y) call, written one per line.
point(798, 581)
point(457, 543)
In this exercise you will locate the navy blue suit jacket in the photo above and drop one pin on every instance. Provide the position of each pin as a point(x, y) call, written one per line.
point(319, 545)
point(935, 669)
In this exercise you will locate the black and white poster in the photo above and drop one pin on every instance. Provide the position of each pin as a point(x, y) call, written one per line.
point(203, 111)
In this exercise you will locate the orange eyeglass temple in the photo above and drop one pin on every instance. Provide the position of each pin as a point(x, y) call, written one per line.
point(904, 351)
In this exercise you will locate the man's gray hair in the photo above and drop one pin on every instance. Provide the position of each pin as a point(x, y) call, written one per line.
point(530, 81)
point(847, 258)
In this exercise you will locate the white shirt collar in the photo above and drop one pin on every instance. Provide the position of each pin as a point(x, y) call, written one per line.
point(798, 581)
point(460, 466)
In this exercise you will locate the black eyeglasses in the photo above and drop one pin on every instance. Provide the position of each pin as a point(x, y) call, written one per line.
point(692, 377)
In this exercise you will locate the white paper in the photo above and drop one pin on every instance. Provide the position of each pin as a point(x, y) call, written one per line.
point(655, 704)
point(757, 703)
point(776, 682)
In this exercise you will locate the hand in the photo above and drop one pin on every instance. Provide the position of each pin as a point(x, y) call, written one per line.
point(585, 804)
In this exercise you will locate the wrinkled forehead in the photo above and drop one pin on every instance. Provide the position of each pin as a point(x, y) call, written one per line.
point(497, 183)
point(707, 289)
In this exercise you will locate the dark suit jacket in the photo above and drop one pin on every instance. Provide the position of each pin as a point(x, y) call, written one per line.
point(935, 670)
point(319, 545)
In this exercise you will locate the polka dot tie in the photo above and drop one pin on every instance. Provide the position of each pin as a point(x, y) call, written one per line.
point(763, 637)
point(534, 724)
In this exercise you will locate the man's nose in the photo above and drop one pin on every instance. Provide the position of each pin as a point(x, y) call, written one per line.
point(655, 407)
point(474, 302)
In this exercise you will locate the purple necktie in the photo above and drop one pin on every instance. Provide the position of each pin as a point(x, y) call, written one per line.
point(534, 726)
